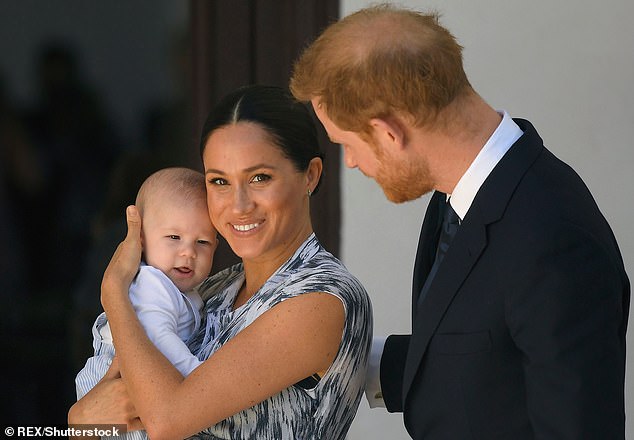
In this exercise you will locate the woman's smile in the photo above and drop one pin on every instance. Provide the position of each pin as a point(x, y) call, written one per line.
point(245, 227)
point(255, 194)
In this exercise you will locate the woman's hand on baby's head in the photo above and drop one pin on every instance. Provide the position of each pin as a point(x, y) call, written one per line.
point(124, 264)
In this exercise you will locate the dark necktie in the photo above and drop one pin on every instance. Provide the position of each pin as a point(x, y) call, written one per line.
point(450, 224)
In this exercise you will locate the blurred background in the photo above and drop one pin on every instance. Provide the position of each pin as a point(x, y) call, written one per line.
point(88, 92)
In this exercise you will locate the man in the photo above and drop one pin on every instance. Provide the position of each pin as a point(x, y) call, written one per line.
point(520, 303)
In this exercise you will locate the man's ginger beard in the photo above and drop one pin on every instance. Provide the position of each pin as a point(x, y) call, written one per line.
point(401, 180)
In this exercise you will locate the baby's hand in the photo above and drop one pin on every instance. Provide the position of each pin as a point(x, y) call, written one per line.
point(125, 262)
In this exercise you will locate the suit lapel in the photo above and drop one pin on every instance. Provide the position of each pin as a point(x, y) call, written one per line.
point(425, 252)
point(463, 253)
point(466, 247)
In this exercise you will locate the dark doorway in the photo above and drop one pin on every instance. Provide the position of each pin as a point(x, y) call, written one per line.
point(245, 42)
point(94, 96)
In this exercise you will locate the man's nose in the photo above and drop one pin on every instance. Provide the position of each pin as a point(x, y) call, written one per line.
point(348, 158)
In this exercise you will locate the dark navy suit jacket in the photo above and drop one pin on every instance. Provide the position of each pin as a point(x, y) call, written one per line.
point(522, 332)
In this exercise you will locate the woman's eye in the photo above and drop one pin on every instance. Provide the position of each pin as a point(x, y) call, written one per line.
point(260, 178)
point(217, 181)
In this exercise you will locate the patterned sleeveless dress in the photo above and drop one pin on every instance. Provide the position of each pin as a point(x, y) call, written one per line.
point(324, 411)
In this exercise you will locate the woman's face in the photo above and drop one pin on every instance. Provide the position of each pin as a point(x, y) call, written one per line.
point(256, 197)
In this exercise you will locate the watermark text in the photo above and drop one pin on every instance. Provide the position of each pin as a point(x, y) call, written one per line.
point(65, 431)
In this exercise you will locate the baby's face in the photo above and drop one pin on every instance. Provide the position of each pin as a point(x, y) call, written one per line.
point(179, 240)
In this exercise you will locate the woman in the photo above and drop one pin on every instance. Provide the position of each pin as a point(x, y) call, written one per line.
point(286, 333)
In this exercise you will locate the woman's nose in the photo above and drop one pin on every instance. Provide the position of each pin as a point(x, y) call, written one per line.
point(242, 201)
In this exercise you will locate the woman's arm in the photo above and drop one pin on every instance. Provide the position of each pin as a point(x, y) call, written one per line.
point(106, 404)
point(293, 340)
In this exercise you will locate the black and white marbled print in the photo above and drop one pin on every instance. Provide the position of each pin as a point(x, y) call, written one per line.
point(323, 412)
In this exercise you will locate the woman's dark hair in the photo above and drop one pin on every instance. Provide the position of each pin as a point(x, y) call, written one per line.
point(286, 120)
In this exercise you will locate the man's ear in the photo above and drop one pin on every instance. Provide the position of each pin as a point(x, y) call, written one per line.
point(389, 132)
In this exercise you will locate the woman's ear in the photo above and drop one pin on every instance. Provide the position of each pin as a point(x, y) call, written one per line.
point(313, 173)
point(389, 132)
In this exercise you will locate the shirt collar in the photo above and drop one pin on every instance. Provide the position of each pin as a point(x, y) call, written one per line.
point(504, 136)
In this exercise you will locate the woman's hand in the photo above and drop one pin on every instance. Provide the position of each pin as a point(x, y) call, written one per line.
point(124, 264)
point(107, 403)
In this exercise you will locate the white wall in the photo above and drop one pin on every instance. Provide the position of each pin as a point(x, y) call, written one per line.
point(566, 66)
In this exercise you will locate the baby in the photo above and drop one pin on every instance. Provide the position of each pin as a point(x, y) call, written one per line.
point(179, 242)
